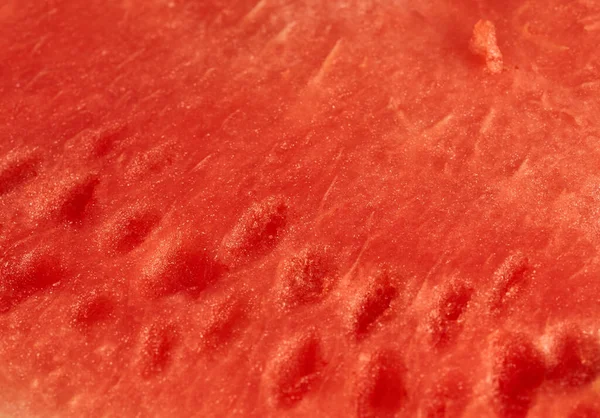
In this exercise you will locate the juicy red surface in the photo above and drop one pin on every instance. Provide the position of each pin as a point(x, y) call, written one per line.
point(299, 208)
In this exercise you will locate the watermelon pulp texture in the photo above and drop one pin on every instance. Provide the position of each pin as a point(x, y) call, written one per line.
point(299, 208)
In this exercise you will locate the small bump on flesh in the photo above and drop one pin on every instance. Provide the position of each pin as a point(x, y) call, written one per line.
point(574, 357)
point(518, 369)
point(508, 280)
point(221, 323)
point(151, 162)
point(258, 229)
point(371, 304)
point(17, 168)
point(380, 389)
point(28, 274)
point(158, 343)
point(444, 319)
point(306, 277)
point(129, 228)
point(94, 144)
point(92, 309)
point(178, 264)
point(68, 200)
point(294, 370)
point(76, 199)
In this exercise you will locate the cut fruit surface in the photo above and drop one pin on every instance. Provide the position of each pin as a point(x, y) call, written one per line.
point(265, 208)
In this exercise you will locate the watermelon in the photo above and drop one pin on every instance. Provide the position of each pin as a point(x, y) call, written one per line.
point(269, 208)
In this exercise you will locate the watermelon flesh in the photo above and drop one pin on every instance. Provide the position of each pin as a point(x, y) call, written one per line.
point(318, 208)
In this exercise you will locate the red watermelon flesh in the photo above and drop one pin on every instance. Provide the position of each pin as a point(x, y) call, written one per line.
point(299, 208)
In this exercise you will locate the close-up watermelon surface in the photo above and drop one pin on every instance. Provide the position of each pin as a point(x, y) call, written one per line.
point(300, 208)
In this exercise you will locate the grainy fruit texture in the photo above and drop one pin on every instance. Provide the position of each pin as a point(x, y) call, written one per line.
point(263, 208)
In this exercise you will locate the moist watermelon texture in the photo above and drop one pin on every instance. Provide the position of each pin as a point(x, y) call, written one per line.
point(281, 208)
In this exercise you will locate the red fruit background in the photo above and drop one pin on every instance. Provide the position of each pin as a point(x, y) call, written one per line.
point(299, 208)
